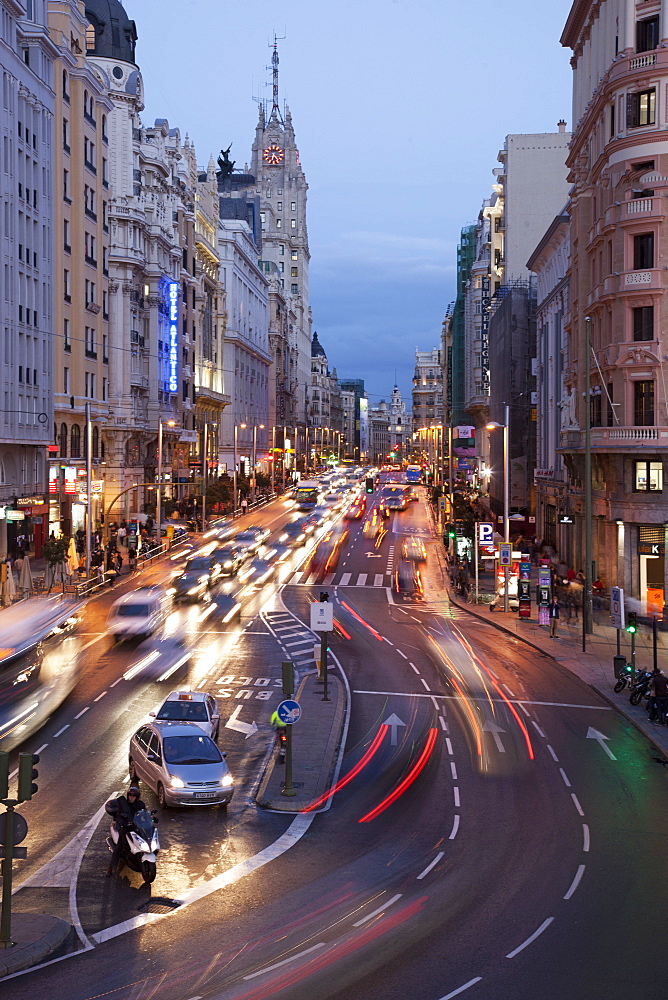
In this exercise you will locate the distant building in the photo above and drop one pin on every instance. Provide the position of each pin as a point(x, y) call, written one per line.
point(380, 436)
point(427, 389)
point(355, 418)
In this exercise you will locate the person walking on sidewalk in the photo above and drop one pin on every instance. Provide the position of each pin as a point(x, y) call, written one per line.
point(244, 506)
point(658, 689)
point(554, 616)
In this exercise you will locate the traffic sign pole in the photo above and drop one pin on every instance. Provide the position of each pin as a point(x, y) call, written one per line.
point(288, 788)
point(6, 913)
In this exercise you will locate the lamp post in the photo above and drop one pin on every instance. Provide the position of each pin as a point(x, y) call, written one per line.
point(158, 493)
point(492, 425)
point(586, 603)
point(273, 459)
point(234, 474)
point(255, 427)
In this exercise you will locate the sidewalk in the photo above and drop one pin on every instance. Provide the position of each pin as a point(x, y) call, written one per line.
point(315, 742)
point(36, 937)
point(594, 667)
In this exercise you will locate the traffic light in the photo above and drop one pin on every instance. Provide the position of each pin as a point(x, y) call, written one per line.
point(632, 622)
point(27, 775)
point(4, 774)
point(450, 531)
point(369, 484)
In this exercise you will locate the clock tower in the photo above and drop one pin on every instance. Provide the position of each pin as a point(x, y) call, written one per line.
point(281, 186)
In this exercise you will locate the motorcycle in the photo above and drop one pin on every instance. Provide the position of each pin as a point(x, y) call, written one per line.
point(282, 742)
point(625, 677)
point(640, 687)
point(140, 845)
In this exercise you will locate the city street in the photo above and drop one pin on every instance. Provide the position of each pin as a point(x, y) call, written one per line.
point(483, 841)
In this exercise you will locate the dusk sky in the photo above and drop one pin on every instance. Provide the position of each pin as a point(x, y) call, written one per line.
point(399, 109)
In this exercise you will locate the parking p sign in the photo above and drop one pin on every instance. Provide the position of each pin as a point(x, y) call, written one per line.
point(485, 533)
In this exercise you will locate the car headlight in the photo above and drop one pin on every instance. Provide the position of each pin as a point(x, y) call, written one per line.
point(176, 782)
point(228, 564)
point(227, 781)
point(193, 590)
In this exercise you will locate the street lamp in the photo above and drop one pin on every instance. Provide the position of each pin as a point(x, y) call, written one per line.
point(158, 492)
point(493, 425)
point(234, 474)
point(255, 427)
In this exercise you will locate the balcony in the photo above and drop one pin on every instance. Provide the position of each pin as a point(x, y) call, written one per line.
point(639, 207)
point(618, 439)
point(141, 381)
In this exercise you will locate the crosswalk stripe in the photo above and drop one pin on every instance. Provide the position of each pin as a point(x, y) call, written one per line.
point(295, 577)
point(361, 580)
point(312, 578)
point(378, 580)
point(328, 579)
point(345, 579)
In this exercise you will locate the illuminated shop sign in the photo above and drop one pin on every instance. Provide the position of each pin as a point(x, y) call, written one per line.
point(173, 291)
point(70, 476)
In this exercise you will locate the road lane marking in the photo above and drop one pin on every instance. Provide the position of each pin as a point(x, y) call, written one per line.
point(432, 865)
point(434, 703)
point(402, 654)
point(525, 710)
point(531, 939)
point(82, 712)
point(553, 754)
point(286, 961)
point(455, 792)
point(295, 832)
point(100, 696)
point(564, 776)
point(117, 681)
point(448, 744)
point(585, 837)
point(485, 699)
point(96, 639)
point(443, 724)
point(576, 803)
point(414, 667)
point(538, 729)
point(61, 731)
point(379, 910)
point(455, 827)
point(453, 768)
point(576, 881)
point(43, 747)
point(455, 993)
point(425, 683)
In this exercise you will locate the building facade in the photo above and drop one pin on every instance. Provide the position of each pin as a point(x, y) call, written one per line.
point(26, 303)
point(427, 389)
point(618, 314)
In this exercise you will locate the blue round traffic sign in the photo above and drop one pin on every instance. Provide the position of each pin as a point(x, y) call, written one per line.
point(289, 711)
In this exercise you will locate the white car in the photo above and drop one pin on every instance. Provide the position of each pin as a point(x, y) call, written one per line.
point(197, 707)
point(138, 614)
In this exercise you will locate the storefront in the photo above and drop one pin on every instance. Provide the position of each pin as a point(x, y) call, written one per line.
point(34, 526)
point(651, 557)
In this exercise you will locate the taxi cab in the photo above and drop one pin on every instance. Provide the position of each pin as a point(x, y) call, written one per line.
point(197, 707)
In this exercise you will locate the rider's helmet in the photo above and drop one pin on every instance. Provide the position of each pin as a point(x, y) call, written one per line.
point(133, 790)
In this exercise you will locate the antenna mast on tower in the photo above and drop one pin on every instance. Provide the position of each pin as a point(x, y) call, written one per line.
point(275, 110)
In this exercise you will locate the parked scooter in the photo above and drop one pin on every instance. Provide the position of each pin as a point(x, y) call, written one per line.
point(140, 843)
point(640, 686)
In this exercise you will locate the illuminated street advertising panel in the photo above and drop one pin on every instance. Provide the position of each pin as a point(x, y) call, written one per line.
point(172, 296)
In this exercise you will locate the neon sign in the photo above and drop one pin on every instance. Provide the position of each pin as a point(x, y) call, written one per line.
point(173, 310)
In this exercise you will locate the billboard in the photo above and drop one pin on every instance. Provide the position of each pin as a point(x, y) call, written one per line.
point(463, 441)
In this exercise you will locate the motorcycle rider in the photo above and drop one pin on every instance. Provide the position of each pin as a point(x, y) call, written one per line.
point(128, 806)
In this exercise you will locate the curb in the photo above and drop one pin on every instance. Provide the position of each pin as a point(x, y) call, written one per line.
point(561, 663)
point(22, 956)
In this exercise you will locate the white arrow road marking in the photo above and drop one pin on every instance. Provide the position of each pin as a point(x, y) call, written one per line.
point(393, 721)
point(491, 727)
point(593, 734)
point(240, 727)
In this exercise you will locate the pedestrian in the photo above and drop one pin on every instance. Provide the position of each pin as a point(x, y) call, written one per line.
point(122, 534)
point(244, 506)
point(554, 617)
point(119, 563)
point(132, 559)
point(658, 689)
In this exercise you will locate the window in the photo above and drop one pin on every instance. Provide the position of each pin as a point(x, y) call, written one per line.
point(89, 244)
point(62, 441)
point(612, 120)
point(89, 385)
point(66, 186)
point(595, 404)
point(643, 403)
point(293, 206)
point(67, 346)
point(293, 223)
point(641, 108)
point(66, 236)
point(95, 442)
point(66, 285)
point(281, 265)
point(643, 323)
point(91, 342)
point(75, 441)
point(294, 289)
point(89, 154)
point(648, 477)
point(66, 135)
point(66, 93)
point(294, 255)
point(262, 218)
point(279, 223)
point(104, 390)
point(647, 34)
point(281, 249)
point(279, 206)
point(643, 251)
point(66, 380)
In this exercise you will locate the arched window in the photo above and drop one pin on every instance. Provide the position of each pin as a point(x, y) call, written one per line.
point(62, 444)
point(96, 442)
point(85, 102)
point(75, 441)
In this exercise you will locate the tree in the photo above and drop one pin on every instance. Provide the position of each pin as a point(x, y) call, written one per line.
point(55, 552)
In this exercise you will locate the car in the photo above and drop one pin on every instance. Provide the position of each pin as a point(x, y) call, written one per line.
point(138, 614)
point(190, 706)
point(191, 585)
point(326, 556)
point(259, 572)
point(230, 558)
point(249, 540)
point(181, 764)
point(208, 566)
point(227, 607)
point(413, 548)
point(356, 509)
point(297, 532)
point(333, 500)
point(261, 533)
point(373, 524)
point(407, 579)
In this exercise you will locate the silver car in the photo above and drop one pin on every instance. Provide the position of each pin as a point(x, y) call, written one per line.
point(181, 764)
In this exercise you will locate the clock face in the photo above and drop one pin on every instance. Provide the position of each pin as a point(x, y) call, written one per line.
point(273, 155)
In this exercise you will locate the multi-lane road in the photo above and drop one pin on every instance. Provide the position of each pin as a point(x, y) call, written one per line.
point(502, 835)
